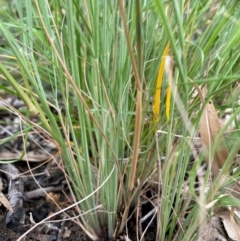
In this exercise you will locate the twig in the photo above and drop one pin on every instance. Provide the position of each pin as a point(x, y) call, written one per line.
point(42, 192)
point(15, 195)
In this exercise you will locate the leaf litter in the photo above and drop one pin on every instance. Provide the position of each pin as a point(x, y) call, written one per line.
point(225, 223)
point(209, 129)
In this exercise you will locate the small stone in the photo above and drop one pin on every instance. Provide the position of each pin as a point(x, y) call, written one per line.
point(67, 233)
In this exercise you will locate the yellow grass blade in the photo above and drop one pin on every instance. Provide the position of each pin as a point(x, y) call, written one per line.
point(169, 72)
point(168, 102)
point(156, 106)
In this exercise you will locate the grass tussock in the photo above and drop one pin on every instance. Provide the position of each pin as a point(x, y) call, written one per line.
point(117, 85)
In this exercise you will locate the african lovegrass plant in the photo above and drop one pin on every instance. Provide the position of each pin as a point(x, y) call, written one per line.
point(96, 64)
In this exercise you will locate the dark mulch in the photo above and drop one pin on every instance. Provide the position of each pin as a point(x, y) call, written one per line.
point(70, 232)
point(34, 210)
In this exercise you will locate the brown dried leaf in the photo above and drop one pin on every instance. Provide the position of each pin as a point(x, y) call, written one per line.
point(5, 202)
point(209, 127)
point(230, 223)
point(3, 199)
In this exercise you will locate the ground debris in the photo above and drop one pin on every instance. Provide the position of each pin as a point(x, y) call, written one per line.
point(214, 230)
